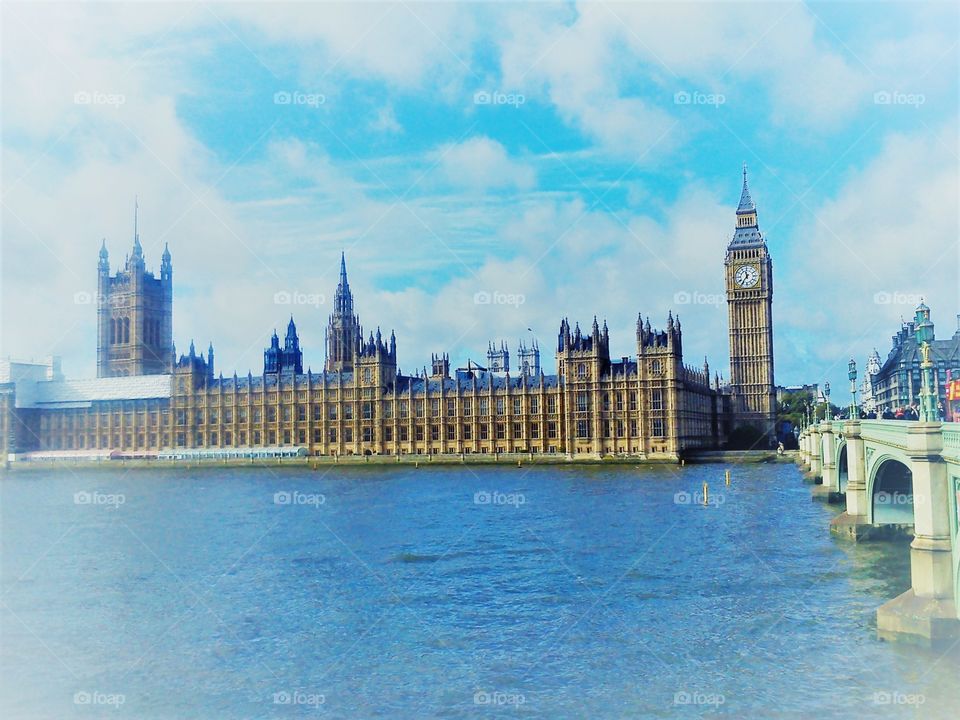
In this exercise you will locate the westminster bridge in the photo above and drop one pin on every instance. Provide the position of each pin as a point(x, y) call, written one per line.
point(897, 477)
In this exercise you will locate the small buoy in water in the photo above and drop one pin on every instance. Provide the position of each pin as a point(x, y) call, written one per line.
point(706, 493)
point(727, 477)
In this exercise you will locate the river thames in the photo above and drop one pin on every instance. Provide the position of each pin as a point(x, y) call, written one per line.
point(453, 592)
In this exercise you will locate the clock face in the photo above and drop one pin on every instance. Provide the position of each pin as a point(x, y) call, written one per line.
point(747, 276)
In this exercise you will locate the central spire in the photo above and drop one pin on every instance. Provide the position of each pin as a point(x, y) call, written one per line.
point(746, 202)
point(137, 249)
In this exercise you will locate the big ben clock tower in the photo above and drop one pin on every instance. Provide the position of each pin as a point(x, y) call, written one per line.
point(749, 281)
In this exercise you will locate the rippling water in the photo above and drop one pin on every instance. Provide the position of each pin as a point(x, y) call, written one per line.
point(456, 592)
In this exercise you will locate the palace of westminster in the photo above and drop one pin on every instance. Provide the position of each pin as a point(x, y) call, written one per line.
point(147, 402)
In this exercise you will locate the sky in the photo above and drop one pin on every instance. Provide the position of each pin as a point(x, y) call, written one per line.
point(486, 168)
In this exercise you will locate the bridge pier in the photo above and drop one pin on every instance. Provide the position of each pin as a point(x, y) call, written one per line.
point(854, 523)
point(815, 456)
point(927, 611)
point(804, 443)
point(829, 489)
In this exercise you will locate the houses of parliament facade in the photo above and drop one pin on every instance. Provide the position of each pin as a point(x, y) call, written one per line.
point(147, 401)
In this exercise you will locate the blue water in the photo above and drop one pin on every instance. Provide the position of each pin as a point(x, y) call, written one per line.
point(399, 593)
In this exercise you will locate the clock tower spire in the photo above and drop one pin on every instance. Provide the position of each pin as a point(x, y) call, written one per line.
point(749, 284)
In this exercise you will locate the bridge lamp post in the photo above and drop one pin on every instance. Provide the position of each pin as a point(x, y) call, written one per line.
point(928, 394)
point(852, 374)
point(826, 396)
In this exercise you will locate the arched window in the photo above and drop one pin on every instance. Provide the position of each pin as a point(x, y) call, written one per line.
point(126, 330)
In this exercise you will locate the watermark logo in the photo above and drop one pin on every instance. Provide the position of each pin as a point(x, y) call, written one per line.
point(495, 297)
point(496, 97)
point(897, 297)
point(696, 498)
point(298, 97)
point(698, 298)
point(110, 500)
point(887, 697)
point(96, 97)
point(298, 697)
point(685, 697)
point(499, 698)
point(94, 697)
point(894, 97)
point(695, 97)
point(492, 497)
point(294, 497)
point(295, 297)
point(894, 498)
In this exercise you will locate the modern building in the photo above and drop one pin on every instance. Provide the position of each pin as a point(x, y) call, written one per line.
point(897, 384)
point(650, 405)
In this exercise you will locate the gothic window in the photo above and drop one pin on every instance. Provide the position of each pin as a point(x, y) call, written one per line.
point(499, 406)
point(466, 432)
point(501, 431)
point(366, 375)
point(552, 404)
point(333, 412)
point(451, 408)
point(658, 427)
point(581, 370)
point(534, 405)
point(583, 429)
point(467, 408)
point(633, 400)
point(348, 411)
point(582, 402)
point(484, 406)
point(126, 330)
point(517, 406)
point(656, 399)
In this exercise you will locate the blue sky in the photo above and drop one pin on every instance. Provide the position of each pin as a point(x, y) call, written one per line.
point(586, 185)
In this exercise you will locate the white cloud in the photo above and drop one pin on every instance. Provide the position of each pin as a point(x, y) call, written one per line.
point(889, 234)
point(481, 163)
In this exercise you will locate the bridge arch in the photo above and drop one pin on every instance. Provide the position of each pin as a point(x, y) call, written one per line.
point(891, 492)
point(843, 471)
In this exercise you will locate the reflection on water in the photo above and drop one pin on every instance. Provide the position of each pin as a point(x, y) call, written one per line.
point(395, 592)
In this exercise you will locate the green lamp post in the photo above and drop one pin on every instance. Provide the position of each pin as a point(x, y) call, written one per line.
point(928, 394)
point(852, 374)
